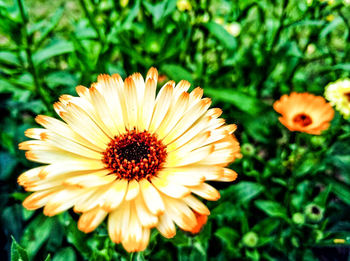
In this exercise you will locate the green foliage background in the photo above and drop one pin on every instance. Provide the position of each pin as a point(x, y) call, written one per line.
point(47, 48)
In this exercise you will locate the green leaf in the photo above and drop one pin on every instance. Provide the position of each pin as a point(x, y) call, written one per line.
point(342, 66)
point(37, 233)
point(50, 25)
point(176, 72)
point(7, 164)
point(132, 14)
point(61, 78)
point(18, 253)
point(10, 58)
point(56, 48)
point(48, 258)
point(65, 254)
point(271, 208)
point(228, 236)
point(244, 102)
point(243, 192)
point(330, 27)
point(340, 189)
point(77, 238)
point(222, 35)
point(321, 199)
point(266, 227)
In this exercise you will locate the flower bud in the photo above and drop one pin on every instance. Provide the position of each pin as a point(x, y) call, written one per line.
point(248, 149)
point(298, 218)
point(314, 213)
point(250, 239)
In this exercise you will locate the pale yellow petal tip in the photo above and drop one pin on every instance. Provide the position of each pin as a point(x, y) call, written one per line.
point(29, 204)
point(23, 146)
point(103, 77)
point(41, 119)
point(152, 73)
point(169, 233)
point(197, 92)
point(85, 225)
point(30, 155)
point(81, 90)
point(51, 210)
point(65, 98)
point(29, 133)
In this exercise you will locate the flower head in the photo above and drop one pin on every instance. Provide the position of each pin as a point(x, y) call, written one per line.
point(124, 152)
point(304, 112)
point(338, 94)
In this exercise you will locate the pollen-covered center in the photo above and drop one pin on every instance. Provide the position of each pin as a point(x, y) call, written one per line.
point(135, 155)
point(302, 119)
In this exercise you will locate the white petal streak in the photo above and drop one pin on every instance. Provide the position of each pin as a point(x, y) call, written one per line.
point(81, 123)
point(118, 219)
point(197, 155)
point(196, 205)
point(196, 128)
point(148, 104)
point(90, 180)
point(105, 118)
point(131, 102)
point(195, 143)
point(39, 199)
point(206, 191)
point(115, 195)
point(62, 129)
point(62, 200)
point(146, 218)
point(133, 190)
point(72, 168)
point(162, 105)
point(180, 213)
point(171, 189)
point(166, 226)
point(70, 146)
point(109, 86)
point(132, 234)
point(181, 177)
point(175, 113)
point(152, 197)
point(55, 155)
point(193, 114)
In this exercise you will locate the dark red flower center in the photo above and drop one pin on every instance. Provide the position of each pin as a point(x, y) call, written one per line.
point(302, 119)
point(135, 155)
point(347, 95)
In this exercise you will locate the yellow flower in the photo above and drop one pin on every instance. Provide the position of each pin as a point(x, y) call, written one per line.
point(183, 5)
point(124, 152)
point(338, 94)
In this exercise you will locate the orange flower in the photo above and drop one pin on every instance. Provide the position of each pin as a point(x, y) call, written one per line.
point(304, 112)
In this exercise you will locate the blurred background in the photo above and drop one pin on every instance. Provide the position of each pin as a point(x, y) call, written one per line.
point(291, 200)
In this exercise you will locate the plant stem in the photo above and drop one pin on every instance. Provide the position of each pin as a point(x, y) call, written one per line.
point(31, 67)
point(91, 20)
